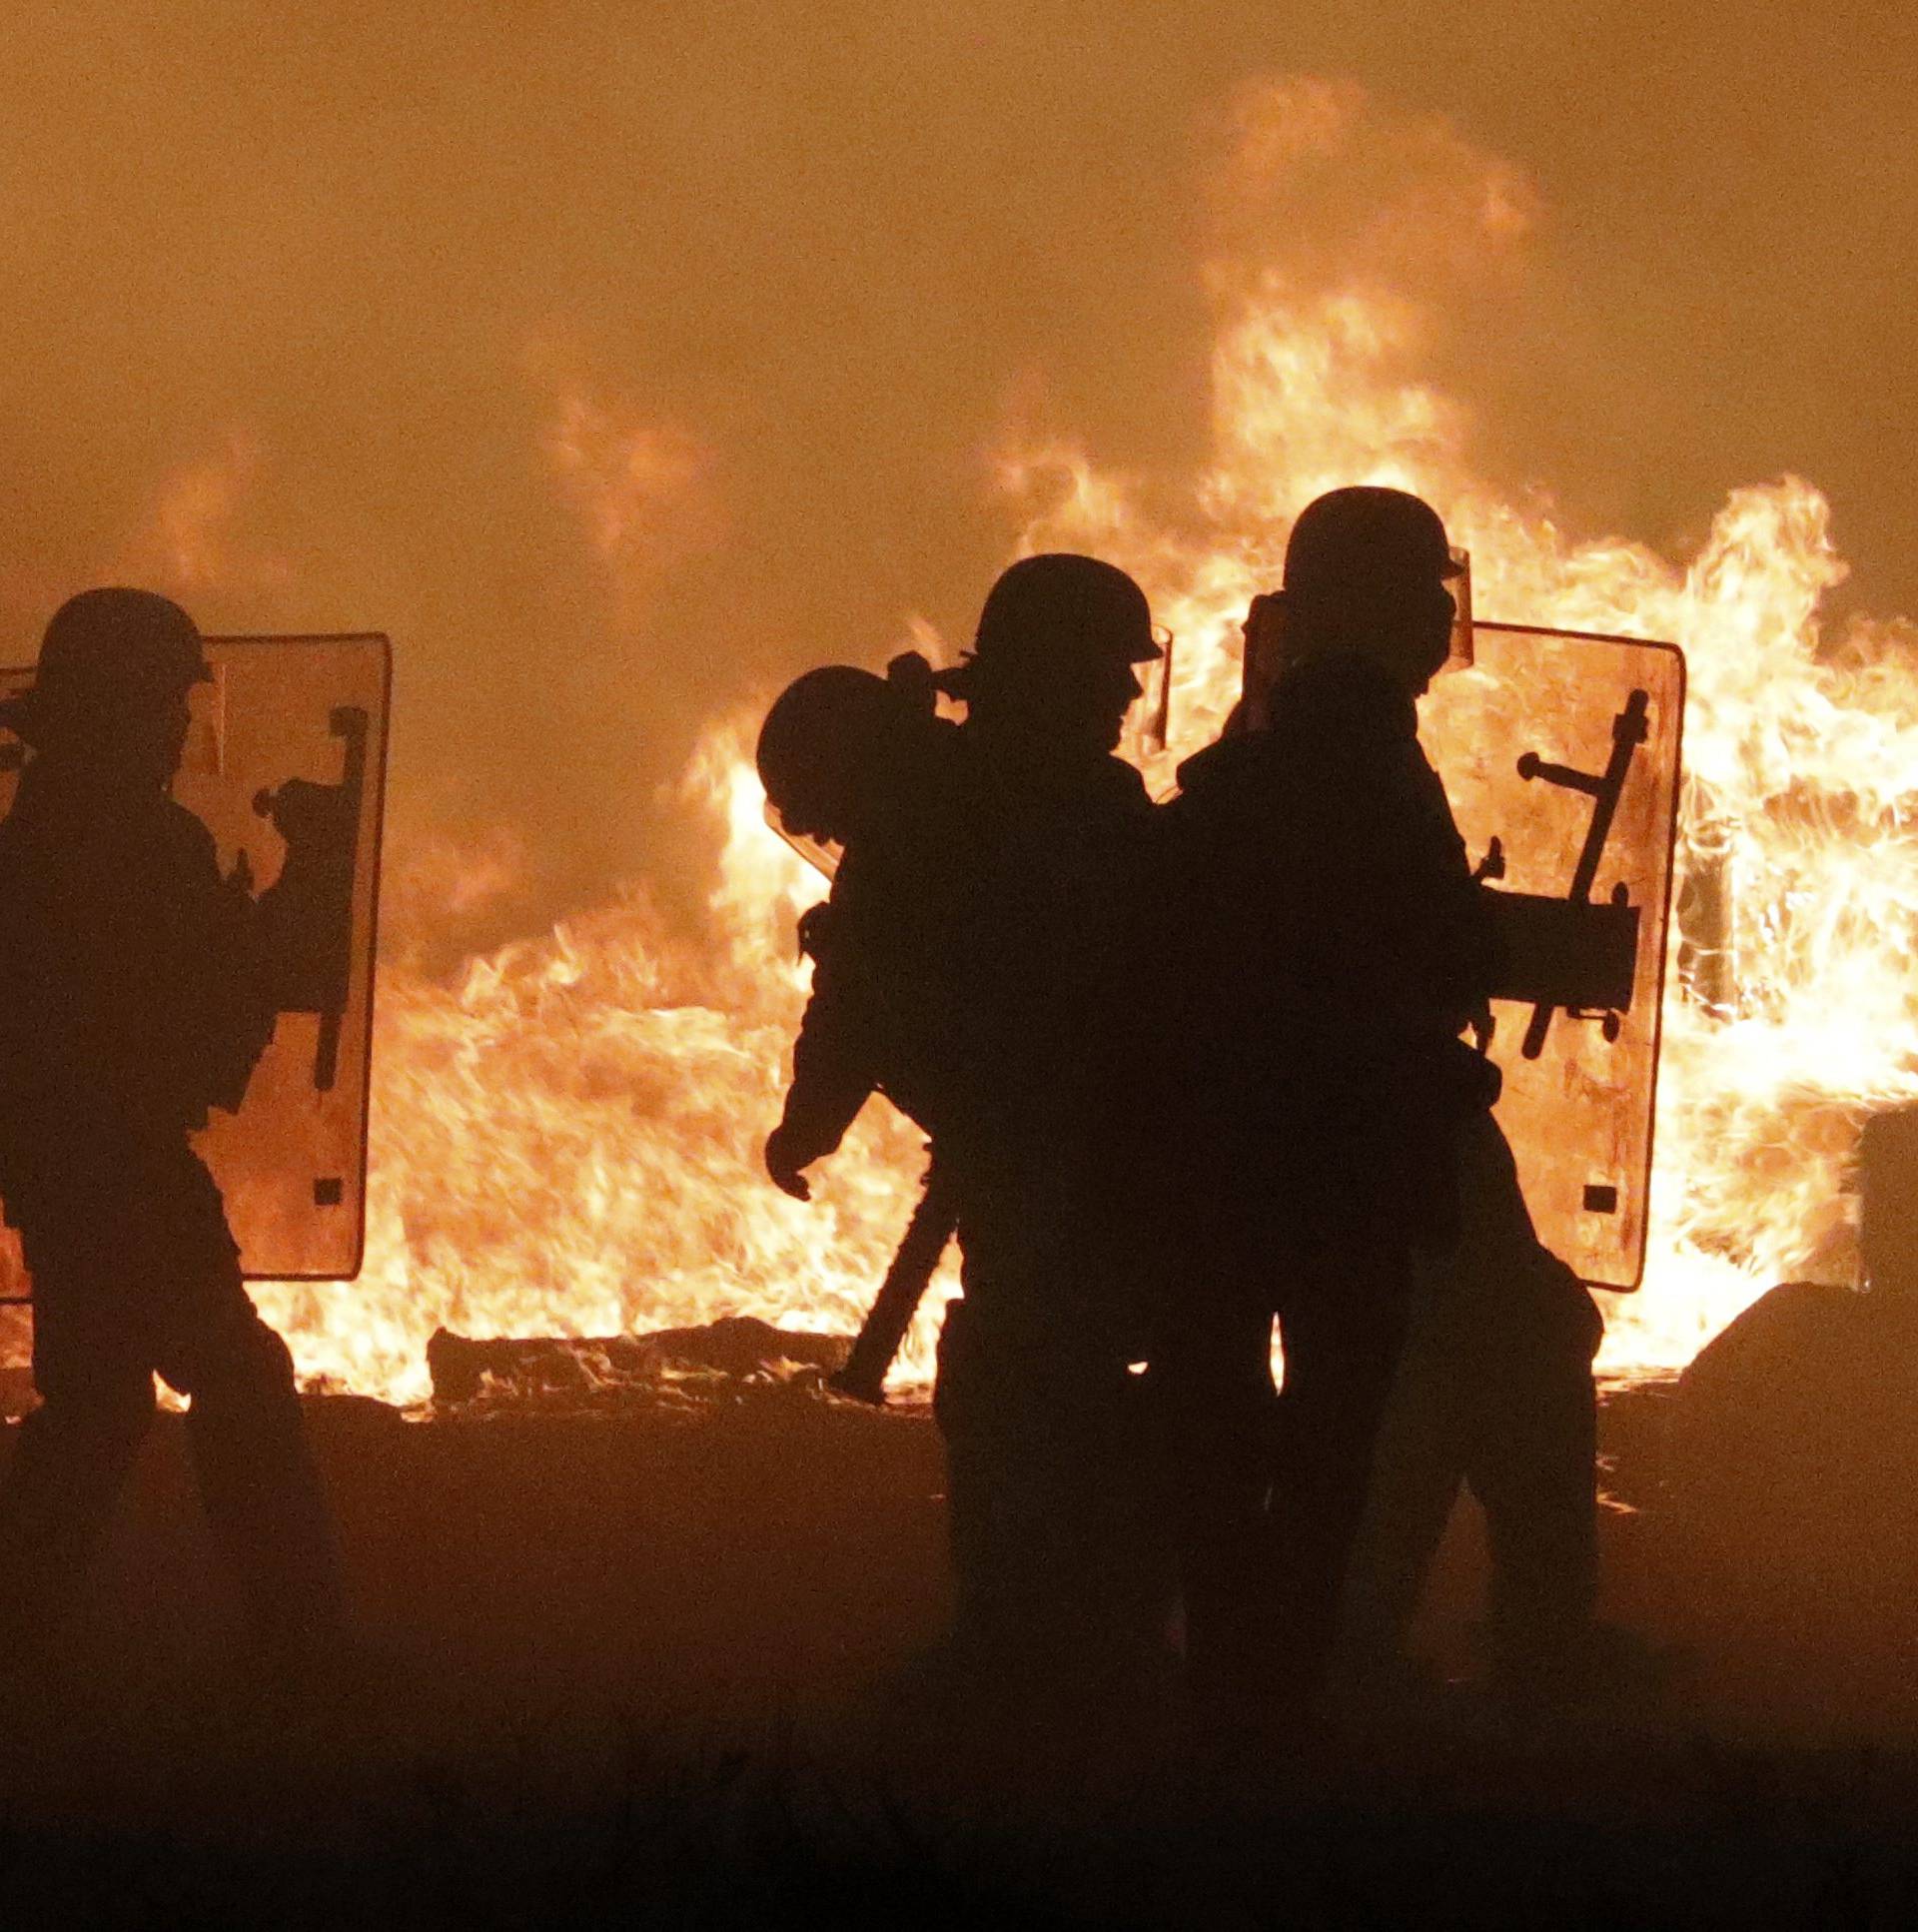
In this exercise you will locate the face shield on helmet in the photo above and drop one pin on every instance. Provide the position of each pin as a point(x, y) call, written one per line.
point(820, 755)
point(1460, 655)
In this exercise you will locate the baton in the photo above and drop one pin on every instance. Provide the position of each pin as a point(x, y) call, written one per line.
point(883, 1332)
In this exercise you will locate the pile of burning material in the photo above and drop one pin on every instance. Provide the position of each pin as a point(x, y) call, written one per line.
point(733, 1360)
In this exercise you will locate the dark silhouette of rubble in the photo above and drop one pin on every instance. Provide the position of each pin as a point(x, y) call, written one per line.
point(712, 1362)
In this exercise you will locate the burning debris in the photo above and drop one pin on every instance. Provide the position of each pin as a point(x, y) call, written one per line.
point(732, 1360)
point(601, 1093)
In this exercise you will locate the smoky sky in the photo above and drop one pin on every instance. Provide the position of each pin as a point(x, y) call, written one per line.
point(622, 359)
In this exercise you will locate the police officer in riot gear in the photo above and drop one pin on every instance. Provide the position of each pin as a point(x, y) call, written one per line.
point(1045, 1426)
point(133, 998)
point(1327, 949)
point(979, 955)
point(861, 764)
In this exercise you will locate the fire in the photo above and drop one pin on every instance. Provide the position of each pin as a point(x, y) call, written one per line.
point(1803, 778)
point(565, 1137)
point(641, 488)
point(635, 483)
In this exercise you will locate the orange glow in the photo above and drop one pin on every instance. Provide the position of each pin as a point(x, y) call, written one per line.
point(567, 1141)
point(193, 542)
point(565, 1138)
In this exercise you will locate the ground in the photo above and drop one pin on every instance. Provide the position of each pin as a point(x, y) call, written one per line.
point(660, 1658)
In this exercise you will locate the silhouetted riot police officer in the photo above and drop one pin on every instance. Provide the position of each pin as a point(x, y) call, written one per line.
point(1327, 949)
point(974, 932)
point(1045, 1426)
point(132, 1000)
point(862, 763)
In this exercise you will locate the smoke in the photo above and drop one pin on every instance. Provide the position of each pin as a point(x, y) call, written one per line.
point(622, 361)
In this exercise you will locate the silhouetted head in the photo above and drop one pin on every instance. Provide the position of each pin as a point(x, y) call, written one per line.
point(112, 682)
point(1366, 569)
point(827, 747)
point(1055, 651)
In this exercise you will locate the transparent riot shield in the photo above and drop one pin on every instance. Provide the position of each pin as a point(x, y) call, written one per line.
point(285, 765)
point(1560, 753)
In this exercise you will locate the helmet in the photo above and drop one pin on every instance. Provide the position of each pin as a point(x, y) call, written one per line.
point(1368, 540)
point(107, 655)
point(1058, 604)
point(819, 742)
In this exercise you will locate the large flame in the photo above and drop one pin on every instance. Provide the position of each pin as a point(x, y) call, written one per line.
point(566, 1139)
point(1802, 777)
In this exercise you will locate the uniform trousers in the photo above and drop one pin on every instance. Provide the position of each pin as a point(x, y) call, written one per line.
point(1059, 1557)
point(135, 1273)
point(1269, 1492)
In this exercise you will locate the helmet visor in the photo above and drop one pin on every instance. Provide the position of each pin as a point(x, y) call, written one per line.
point(822, 854)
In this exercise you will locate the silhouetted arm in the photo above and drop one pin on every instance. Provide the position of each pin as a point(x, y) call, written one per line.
point(838, 1057)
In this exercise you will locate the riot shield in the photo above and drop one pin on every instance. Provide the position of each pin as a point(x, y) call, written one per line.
point(285, 765)
point(1560, 753)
